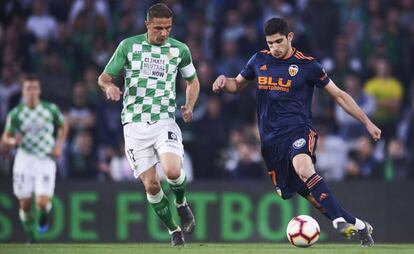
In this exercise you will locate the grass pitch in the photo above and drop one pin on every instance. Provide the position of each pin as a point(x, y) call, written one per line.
point(202, 248)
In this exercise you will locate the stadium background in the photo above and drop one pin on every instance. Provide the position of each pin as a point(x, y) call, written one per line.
point(367, 47)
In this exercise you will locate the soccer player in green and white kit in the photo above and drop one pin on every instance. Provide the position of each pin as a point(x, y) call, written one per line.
point(31, 127)
point(151, 62)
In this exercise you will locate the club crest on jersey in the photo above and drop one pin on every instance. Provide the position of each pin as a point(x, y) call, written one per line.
point(293, 70)
point(299, 143)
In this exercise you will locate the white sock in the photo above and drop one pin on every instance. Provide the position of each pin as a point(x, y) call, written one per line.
point(171, 232)
point(155, 199)
point(182, 204)
point(179, 180)
point(359, 224)
point(24, 216)
point(49, 206)
point(335, 222)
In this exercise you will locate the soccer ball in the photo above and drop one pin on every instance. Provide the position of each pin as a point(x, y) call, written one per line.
point(303, 231)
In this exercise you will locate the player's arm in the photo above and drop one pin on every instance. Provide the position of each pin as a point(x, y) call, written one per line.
point(9, 139)
point(111, 90)
point(191, 95)
point(115, 64)
point(229, 85)
point(61, 135)
point(346, 102)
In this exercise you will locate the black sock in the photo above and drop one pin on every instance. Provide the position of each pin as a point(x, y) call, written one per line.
point(324, 196)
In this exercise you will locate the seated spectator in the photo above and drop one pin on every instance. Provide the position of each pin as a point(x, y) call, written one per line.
point(41, 24)
point(361, 161)
point(119, 169)
point(230, 64)
point(243, 159)
point(207, 144)
point(396, 165)
point(56, 82)
point(82, 158)
point(81, 115)
point(9, 87)
point(332, 151)
point(388, 92)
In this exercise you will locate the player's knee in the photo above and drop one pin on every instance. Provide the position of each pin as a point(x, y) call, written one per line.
point(173, 173)
point(25, 206)
point(42, 205)
point(304, 172)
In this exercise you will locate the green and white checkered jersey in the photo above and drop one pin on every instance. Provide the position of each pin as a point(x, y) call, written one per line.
point(150, 74)
point(37, 127)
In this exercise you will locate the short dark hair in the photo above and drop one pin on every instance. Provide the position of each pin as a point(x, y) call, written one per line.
point(276, 26)
point(159, 10)
point(30, 77)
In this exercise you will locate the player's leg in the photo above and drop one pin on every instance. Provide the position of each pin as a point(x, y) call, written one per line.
point(341, 219)
point(347, 229)
point(27, 218)
point(303, 159)
point(160, 204)
point(23, 187)
point(172, 166)
point(139, 149)
point(45, 175)
point(171, 153)
point(44, 206)
point(277, 163)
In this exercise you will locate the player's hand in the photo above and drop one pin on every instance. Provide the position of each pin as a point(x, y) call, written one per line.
point(187, 112)
point(57, 152)
point(12, 141)
point(219, 83)
point(374, 131)
point(113, 93)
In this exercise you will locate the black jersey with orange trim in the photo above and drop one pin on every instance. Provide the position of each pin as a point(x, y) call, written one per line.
point(284, 92)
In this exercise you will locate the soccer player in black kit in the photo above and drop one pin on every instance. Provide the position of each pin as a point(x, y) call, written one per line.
point(285, 82)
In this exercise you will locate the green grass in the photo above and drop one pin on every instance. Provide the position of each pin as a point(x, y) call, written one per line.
point(202, 248)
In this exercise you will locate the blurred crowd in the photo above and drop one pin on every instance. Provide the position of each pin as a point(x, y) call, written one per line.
point(367, 47)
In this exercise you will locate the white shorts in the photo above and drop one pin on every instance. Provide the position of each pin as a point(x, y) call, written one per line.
point(32, 174)
point(146, 141)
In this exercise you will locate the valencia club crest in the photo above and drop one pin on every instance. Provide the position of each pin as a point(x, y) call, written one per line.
point(293, 70)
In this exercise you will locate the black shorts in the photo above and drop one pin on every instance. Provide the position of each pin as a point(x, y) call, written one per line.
point(278, 158)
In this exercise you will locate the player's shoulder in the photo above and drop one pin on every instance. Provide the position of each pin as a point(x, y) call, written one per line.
point(49, 105)
point(303, 59)
point(260, 55)
point(299, 55)
point(136, 39)
point(16, 110)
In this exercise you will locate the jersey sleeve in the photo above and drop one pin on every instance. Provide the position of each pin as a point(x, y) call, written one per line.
point(11, 122)
point(117, 61)
point(248, 71)
point(57, 115)
point(186, 66)
point(318, 75)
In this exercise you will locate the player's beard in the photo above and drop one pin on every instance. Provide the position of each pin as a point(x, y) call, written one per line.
point(160, 40)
